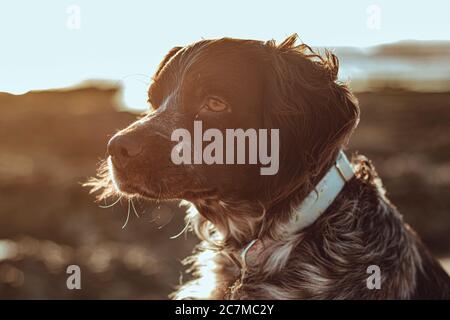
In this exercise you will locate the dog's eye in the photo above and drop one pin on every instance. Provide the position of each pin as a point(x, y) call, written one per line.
point(215, 104)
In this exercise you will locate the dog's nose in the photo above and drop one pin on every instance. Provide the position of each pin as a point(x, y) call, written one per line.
point(123, 147)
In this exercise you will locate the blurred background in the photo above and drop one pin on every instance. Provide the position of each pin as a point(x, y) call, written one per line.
point(72, 73)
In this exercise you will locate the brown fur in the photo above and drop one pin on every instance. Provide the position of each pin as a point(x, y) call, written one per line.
point(329, 259)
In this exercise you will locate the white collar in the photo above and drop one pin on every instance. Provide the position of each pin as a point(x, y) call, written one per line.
point(323, 195)
point(318, 200)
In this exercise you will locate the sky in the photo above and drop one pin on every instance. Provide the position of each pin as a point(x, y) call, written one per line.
point(53, 44)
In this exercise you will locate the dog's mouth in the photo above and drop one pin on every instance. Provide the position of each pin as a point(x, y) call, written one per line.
point(125, 184)
point(155, 188)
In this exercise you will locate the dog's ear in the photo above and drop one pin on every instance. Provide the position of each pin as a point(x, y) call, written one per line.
point(314, 113)
point(166, 59)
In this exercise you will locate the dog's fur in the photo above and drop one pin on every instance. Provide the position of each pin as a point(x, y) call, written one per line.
point(293, 89)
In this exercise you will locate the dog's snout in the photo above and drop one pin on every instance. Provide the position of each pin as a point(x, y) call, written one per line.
point(123, 147)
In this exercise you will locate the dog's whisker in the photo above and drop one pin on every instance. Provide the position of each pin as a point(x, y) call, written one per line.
point(134, 208)
point(159, 195)
point(128, 215)
point(154, 219)
point(154, 216)
point(162, 226)
point(111, 205)
point(165, 224)
point(134, 75)
point(182, 231)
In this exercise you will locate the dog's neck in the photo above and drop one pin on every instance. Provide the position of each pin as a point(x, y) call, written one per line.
point(315, 204)
point(241, 223)
point(323, 194)
point(245, 233)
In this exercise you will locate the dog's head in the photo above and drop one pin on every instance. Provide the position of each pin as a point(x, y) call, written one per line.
point(231, 84)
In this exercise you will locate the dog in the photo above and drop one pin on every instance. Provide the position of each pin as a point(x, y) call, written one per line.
point(320, 228)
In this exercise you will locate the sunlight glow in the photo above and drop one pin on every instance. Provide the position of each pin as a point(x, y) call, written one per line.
point(49, 44)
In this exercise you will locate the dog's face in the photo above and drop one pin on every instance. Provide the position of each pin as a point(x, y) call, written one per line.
point(217, 84)
point(230, 84)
